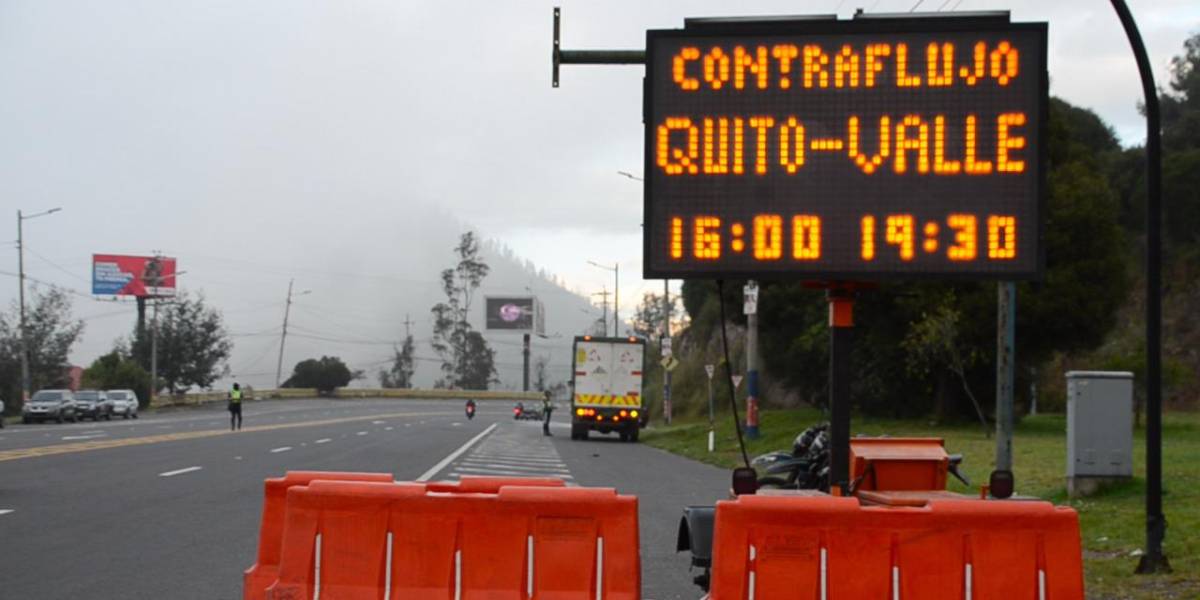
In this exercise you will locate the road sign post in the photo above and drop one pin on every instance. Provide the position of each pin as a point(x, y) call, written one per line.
point(710, 370)
point(750, 307)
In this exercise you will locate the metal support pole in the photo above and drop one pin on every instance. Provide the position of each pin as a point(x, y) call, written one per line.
point(752, 370)
point(841, 340)
point(558, 56)
point(26, 384)
point(525, 361)
point(154, 354)
point(1006, 316)
point(667, 336)
point(1154, 560)
point(287, 309)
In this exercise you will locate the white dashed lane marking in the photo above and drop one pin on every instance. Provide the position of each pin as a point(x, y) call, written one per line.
point(323, 441)
point(5, 511)
point(280, 449)
point(179, 471)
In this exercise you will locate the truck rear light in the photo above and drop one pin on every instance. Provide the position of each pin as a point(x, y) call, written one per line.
point(624, 413)
point(633, 414)
point(616, 418)
point(599, 417)
point(580, 412)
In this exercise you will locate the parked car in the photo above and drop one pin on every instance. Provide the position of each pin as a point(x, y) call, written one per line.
point(58, 405)
point(124, 403)
point(94, 405)
point(1, 414)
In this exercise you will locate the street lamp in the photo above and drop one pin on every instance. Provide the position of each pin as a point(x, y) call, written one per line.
point(616, 269)
point(21, 218)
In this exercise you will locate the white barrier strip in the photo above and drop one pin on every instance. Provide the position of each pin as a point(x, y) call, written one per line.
point(317, 571)
point(1041, 584)
point(753, 571)
point(529, 561)
point(458, 575)
point(387, 573)
point(825, 574)
point(968, 570)
point(599, 567)
point(895, 582)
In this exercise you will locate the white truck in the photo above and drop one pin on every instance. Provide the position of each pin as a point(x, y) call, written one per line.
point(606, 384)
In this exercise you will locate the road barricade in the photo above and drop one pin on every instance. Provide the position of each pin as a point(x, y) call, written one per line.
point(483, 537)
point(769, 547)
point(270, 534)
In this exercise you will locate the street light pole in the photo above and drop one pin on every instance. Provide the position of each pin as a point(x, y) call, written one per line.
point(26, 383)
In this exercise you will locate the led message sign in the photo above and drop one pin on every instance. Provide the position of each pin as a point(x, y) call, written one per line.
point(864, 149)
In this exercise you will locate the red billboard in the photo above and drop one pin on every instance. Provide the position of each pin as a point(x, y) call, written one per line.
point(141, 276)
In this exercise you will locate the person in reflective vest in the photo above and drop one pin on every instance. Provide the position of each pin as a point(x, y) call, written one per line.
point(547, 408)
point(235, 407)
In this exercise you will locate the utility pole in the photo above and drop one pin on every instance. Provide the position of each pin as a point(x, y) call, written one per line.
point(603, 303)
point(407, 323)
point(616, 269)
point(26, 382)
point(287, 309)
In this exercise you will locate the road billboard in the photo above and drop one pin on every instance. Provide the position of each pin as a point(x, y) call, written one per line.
point(514, 313)
point(139, 276)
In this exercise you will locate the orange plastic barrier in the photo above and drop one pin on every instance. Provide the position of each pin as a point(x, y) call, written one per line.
point(265, 571)
point(899, 463)
point(354, 540)
point(769, 547)
point(270, 534)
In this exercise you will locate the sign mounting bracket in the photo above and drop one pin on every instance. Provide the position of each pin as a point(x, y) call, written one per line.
point(588, 57)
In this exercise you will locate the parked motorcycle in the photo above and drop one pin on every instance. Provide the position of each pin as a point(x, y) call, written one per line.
point(806, 467)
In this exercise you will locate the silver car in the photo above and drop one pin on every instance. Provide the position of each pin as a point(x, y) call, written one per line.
point(45, 405)
point(124, 403)
point(94, 405)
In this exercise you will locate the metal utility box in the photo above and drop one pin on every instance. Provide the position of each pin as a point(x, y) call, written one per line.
point(1099, 428)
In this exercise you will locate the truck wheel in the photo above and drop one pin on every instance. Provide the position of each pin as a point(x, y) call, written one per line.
point(59, 418)
point(633, 434)
point(624, 436)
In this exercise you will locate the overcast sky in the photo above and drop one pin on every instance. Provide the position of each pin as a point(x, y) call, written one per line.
point(261, 140)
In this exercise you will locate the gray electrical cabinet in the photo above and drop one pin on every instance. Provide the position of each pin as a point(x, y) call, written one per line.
point(1099, 429)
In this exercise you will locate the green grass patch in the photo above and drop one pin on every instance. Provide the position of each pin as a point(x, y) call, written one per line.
point(1111, 524)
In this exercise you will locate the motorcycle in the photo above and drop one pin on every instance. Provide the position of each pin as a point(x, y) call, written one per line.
point(521, 413)
point(470, 410)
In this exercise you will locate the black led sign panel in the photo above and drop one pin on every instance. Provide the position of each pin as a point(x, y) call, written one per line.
point(863, 149)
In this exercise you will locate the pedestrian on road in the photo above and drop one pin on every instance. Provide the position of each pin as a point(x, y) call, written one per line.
point(235, 407)
point(547, 408)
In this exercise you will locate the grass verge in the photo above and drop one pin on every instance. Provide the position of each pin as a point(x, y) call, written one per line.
point(1111, 523)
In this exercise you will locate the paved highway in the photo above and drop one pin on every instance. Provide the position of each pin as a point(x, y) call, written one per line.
point(168, 506)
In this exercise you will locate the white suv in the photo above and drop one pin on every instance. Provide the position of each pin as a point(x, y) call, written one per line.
point(124, 403)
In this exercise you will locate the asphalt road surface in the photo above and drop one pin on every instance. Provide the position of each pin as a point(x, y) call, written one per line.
point(168, 506)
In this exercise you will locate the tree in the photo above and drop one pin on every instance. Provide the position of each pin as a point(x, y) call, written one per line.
point(325, 374)
point(118, 370)
point(51, 332)
point(467, 361)
point(192, 344)
point(399, 375)
point(649, 315)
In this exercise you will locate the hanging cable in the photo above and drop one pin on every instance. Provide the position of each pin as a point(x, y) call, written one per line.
point(737, 421)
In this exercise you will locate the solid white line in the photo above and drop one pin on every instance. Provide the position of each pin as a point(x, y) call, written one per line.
point(5, 511)
point(280, 449)
point(427, 475)
point(82, 437)
point(323, 441)
point(179, 472)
